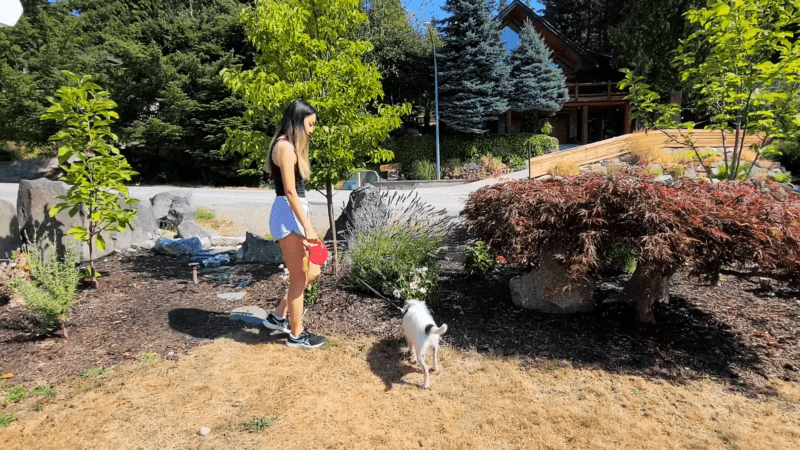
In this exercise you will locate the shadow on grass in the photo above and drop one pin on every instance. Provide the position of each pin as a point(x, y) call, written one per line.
point(390, 363)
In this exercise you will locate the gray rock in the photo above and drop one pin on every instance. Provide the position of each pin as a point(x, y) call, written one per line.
point(34, 200)
point(222, 250)
point(232, 296)
point(662, 179)
point(543, 290)
point(180, 212)
point(145, 225)
point(9, 230)
point(147, 245)
point(715, 181)
point(190, 229)
point(163, 201)
point(178, 247)
point(205, 242)
point(366, 208)
point(225, 241)
point(258, 249)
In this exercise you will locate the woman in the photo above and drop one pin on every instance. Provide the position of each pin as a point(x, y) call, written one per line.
point(290, 222)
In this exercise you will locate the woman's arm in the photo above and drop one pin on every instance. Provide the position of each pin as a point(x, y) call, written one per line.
point(286, 159)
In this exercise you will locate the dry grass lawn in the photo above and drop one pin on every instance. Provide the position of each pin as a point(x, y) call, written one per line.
point(350, 396)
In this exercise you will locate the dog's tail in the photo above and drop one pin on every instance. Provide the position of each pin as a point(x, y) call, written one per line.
point(431, 329)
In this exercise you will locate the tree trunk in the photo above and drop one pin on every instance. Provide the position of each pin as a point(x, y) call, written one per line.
point(647, 286)
point(332, 223)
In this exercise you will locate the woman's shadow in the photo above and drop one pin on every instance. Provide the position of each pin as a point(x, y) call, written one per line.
point(210, 325)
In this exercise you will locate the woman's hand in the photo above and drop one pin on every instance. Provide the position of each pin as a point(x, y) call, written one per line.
point(311, 235)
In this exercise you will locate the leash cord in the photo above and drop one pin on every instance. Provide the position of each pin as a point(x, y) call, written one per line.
point(377, 293)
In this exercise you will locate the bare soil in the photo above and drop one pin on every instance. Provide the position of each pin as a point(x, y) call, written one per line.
point(719, 370)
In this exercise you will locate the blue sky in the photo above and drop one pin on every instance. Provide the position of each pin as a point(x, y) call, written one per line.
point(423, 9)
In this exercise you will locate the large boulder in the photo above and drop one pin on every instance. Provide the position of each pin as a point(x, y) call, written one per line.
point(178, 247)
point(190, 229)
point(145, 225)
point(258, 249)
point(9, 229)
point(367, 208)
point(34, 200)
point(180, 212)
point(163, 202)
point(543, 289)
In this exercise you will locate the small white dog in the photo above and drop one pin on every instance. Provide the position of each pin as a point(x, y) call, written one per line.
point(421, 333)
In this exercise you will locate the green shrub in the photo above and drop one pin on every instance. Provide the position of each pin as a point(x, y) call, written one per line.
point(6, 419)
point(789, 150)
point(466, 147)
point(518, 162)
point(477, 258)
point(311, 294)
point(423, 170)
point(741, 173)
point(398, 251)
point(52, 292)
point(783, 177)
point(396, 260)
point(624, 259)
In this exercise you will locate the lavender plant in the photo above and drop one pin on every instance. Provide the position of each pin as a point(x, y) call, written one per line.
point(398, 251)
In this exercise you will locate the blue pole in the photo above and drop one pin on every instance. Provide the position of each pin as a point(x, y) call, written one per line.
point(436, 100)
point(436, 86)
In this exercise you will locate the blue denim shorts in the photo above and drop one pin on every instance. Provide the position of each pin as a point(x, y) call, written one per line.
point(282, 221)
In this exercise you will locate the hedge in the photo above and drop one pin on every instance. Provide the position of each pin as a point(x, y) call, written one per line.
point(466, 147)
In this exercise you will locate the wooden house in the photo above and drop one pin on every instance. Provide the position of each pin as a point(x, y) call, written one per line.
point(596, 108)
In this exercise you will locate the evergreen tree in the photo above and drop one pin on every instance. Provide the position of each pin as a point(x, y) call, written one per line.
point(403, 55)
point(536, 83)
point(473, 76)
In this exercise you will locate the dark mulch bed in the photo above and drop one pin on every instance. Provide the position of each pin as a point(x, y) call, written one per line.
point(146, 303)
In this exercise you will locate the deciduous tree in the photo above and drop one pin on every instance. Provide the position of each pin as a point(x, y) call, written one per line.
point(743, 65)
point(95, 170)
point(303, 52)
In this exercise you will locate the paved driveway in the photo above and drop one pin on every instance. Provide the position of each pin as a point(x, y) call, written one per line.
point(248, 208)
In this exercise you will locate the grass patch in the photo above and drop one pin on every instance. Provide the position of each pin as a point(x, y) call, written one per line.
point(258, 424)
point(6, 419)
point(204, 215)
point(144, 356)
point(15, 393)
point(44, 390)
point(95, 371)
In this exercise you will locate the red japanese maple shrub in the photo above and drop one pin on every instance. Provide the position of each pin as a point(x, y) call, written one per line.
point(751, 226)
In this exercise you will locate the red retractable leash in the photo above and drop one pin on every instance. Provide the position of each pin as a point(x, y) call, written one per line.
point(316, 254)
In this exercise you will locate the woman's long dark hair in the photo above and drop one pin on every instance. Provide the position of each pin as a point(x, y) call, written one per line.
point(293, 129)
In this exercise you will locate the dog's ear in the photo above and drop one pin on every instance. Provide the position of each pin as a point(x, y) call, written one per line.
point(406, 305)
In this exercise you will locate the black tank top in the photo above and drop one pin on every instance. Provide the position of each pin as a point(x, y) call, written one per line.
point(277, 177)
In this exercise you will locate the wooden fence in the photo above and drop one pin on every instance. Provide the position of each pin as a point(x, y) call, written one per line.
point(620, 145)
